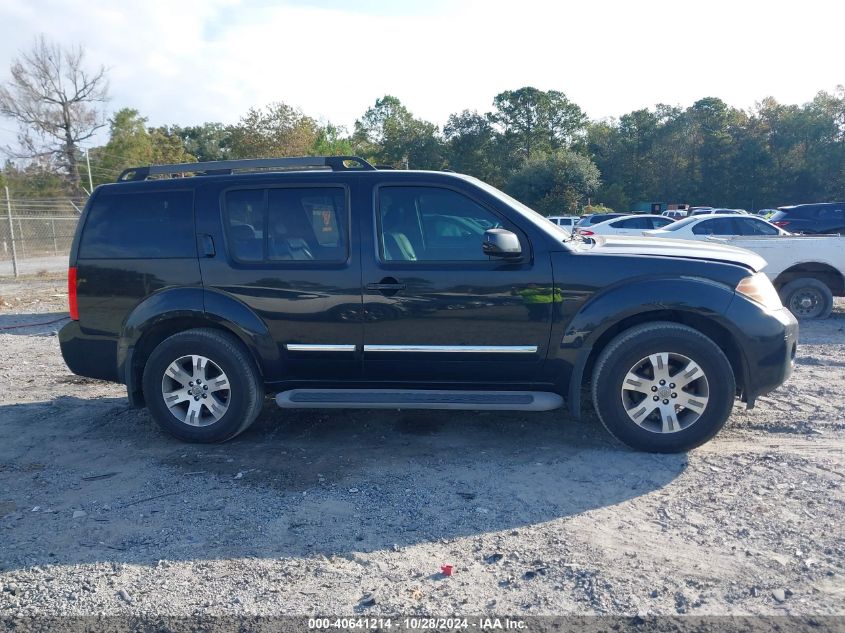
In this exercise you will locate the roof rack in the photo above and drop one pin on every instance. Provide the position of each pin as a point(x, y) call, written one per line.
point(225, 167)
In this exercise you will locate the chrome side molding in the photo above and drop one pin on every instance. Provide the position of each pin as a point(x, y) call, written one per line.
point(437, 349)
point(455, 349)
point(307, 347)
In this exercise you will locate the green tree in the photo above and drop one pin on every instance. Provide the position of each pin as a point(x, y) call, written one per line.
point(34, 179)
point(471, 146)
point(536, 122)
point(275, 131)
point(555, 184)
point(332, 140)
point(207, 141)
point(389, 134)
point(132, 144)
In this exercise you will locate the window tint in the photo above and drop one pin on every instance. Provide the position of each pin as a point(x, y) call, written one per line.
point(632, 223)
point(680, 224)
point(287, 224)
point(149, 225)
point(750, 226)
point(659, 223)
point(718, 226)
point(432, 224)
point(245, 215)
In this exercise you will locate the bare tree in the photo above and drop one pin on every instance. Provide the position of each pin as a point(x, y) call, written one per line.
point(55, 102)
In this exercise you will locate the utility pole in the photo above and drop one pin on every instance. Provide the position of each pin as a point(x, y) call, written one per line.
point(11, 233)
point(90, 179)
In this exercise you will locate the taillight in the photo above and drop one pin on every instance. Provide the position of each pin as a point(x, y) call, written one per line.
point(781, 223)
point(585, 232)
point(73, 306)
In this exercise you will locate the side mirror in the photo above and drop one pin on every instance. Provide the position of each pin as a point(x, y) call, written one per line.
point(501, 243)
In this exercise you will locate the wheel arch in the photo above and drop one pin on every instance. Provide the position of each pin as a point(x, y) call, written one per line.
point(158, 318)
point(825, 273)
point(698, 303)
point(707, 326)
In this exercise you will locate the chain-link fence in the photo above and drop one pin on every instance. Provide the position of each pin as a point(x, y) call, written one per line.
point(36, 234)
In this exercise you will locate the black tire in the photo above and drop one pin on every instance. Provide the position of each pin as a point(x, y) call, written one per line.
point(807, 298)
point(243, 399)
point(624, 352)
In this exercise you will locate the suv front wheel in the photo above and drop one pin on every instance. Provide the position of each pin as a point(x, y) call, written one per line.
point(663, 387)
point(201, 386)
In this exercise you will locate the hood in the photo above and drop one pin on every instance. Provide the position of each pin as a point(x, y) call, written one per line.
point(688, 249)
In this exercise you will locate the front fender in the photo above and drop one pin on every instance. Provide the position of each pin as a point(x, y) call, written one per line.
point(630, 299)
point(705, 297)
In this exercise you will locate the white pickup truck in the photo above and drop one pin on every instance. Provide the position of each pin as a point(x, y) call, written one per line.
point(807, 270)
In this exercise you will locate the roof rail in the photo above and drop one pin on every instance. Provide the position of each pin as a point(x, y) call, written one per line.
point(218, 167)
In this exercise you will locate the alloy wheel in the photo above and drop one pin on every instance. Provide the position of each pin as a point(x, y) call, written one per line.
point(196, 390)
point(665, 392)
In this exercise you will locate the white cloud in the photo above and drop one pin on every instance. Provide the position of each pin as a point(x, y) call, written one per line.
point(193, 61)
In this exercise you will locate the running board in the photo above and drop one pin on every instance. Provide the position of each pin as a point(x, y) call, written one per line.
point(418, 399)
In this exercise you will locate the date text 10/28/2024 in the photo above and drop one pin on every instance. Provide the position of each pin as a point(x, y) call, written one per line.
point(417, 624)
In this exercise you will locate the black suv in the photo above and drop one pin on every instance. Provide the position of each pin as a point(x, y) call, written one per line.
point(822, 217)
point(333, 284)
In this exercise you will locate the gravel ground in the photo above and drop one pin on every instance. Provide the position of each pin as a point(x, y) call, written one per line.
point(354, 512)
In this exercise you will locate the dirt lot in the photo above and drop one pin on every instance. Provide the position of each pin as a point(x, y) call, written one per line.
point(354, 512)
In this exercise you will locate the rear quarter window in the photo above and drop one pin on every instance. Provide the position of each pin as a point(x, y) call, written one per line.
point(146, 225)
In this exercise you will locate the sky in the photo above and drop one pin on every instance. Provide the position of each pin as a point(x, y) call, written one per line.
point(192, 61)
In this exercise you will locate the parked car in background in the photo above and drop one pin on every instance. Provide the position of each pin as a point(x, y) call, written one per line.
point(674, 215)
point(823, 217)
point(564, 221)
point(700, 227)
point(712, 211)
point(766, 214)
point(587, 221)
point(627, 225)
point(806, 270)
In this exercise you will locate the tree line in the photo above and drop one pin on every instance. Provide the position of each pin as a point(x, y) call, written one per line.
point(537, 145)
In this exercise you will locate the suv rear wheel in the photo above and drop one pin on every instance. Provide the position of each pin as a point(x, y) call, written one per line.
point(201, 386)
point(663, 387)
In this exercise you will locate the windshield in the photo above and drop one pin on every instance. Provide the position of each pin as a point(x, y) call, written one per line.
point(680, 224)
point(506, 198)
point(541, 221)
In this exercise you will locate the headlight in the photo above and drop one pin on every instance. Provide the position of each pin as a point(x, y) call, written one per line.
point(758, 288)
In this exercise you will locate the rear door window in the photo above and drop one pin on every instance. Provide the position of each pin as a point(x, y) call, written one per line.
point(750, 226)
point(287, 224)
point(632, 223)
point(658, 222)
point(145, 225)
point(717, 226)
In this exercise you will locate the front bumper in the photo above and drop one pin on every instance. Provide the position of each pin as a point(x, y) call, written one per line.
point(770, 340)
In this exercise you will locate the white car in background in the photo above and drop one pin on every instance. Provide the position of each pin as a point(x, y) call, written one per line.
point(712, 211)
point(627, 225)
point(564, 221)
point(700, 227)
point(808, 271)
